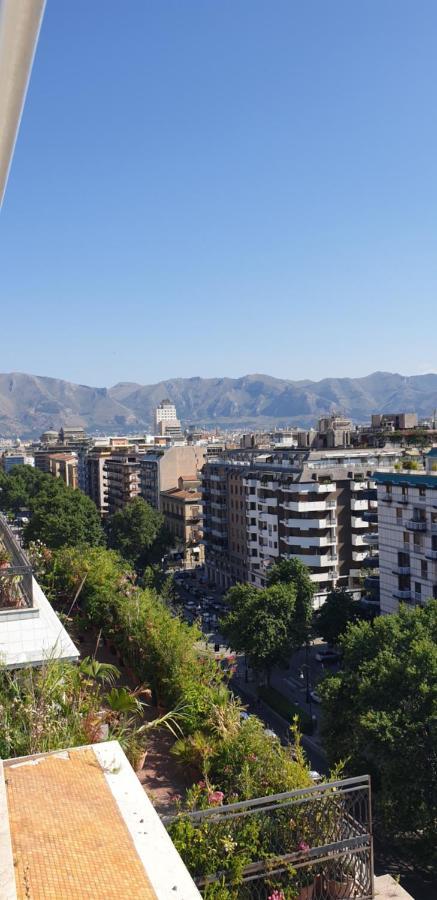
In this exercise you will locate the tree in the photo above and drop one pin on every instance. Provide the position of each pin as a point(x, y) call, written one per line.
point(61, 516)
point(332, 619)
point(293, 572)
point(380, 714)
point(261, 624)
point(136, 531)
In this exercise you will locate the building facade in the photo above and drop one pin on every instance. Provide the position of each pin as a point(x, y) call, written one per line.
point(316, 506)
point(182, 511)
point(64, 465)
point(407, 520)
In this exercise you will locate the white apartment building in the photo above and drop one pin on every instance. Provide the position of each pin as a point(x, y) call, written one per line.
point(407, 517)
point(166, 418)
point(316, 506)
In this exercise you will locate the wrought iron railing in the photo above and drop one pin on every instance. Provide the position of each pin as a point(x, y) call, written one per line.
point(16, 582)
point(310, 844)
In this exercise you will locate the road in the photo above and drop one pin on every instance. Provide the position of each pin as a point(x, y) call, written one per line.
point(289, 682)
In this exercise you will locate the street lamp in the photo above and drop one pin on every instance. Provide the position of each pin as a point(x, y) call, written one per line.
point(306, 666)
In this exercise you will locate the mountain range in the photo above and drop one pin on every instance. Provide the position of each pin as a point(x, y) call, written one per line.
point(30, 404)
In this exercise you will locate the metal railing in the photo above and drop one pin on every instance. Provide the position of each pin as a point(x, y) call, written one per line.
point(312, 844)
point(16, 581)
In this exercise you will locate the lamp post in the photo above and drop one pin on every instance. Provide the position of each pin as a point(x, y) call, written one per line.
point(306, 666)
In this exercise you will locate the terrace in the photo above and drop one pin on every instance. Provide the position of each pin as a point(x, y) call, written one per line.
point(30, 631)
point(16, 587)
point(310, 843)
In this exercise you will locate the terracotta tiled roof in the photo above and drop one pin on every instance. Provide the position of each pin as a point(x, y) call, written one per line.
point(69, 840)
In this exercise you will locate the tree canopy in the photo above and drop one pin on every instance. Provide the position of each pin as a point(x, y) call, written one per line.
point(137, 531)
point(338, 611)
point(260, 623)
point(60, 516)
point(380, 715)
point(294, 572)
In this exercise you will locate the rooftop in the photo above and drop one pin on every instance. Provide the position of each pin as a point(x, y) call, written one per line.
point(413, 479)
point(77, 825)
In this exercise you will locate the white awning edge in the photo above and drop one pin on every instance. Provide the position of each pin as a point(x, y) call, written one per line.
point(20, 23)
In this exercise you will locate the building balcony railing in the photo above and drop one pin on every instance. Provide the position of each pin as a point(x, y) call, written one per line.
point(431, 554)
point(371, 539)
point(402, 594)
point(401, 570)
point(315, 842)
point(386, 498)
point(16, 579)
point(416, 525)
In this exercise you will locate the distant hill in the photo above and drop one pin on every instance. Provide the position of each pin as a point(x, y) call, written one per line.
point(30, 404)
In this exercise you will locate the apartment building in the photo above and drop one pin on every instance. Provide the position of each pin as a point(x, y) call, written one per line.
point(161, 469)
point(165, 418)
point(182, 511)
point(395, 421)
point(64, 465)
point(121, 480)
point(407, 520)
point(317, 506)
point(92, 476)
point(13, 458)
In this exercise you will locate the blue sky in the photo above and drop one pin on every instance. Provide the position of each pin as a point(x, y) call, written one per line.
point(217, 187)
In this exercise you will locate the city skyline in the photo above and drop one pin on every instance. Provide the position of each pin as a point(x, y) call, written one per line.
point(264, 183)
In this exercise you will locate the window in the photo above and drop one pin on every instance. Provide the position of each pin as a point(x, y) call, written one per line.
point(404, 492)
point(398, 515)
point(406, 538)
point(423, 568)
point(417, 587)
point(422, 492)
point(417, 538)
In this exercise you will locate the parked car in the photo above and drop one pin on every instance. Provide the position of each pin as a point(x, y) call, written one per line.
point(315, 697)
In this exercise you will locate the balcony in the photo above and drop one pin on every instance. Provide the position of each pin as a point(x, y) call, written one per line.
point(316, 560)
point(416, 525)
point(268, 501)
point(359, 521)
point(386, 498)
point(371, 583)
point(307, 524)
point(372, 539)
point(335, 860)
point(402, 570)
point(402, 594)
point(312, 487)
point(359, 505)
point(371, 561)
point(358, 540)
point(359, 555)
point(358, 485)
point(370, 515)
point(431, 554)
point(309, 506)
point(300, 540)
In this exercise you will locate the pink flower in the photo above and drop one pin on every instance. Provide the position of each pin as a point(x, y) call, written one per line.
point(201, 785)
point(277, 895)
point(252, 756)
point(302, 845)
point(216, 798)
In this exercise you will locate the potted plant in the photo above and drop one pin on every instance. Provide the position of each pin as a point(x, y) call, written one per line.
point(341, 880)
point(306, 879)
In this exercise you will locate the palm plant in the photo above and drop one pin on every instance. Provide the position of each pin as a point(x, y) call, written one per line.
point(106, 673)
